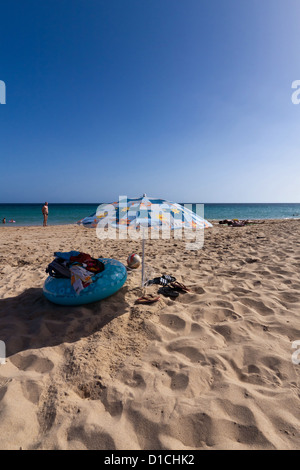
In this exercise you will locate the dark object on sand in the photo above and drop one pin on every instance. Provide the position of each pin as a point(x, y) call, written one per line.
point(223, 222)
point(239, 223)
point(179, 287)
point(164, 280)
point(234, 222)
point(168, 291)
point(147, 299)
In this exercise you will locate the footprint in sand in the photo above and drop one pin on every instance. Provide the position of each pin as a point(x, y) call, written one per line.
point(192, 353)
point(223, 304)
point(174, 322)
point(247, 434)
point(289, 297)
point(32, 391)
point(219, 315)
point(112, 402)
point(253, 369)
point(179, 381)
point(197, 330)
point(3, 387)
point(91, 437)
point(3, 391)
point(225, 331)
point(134, 379)
point(194, 430)
point(257, 305)
point(32, 362)
point(197, 290)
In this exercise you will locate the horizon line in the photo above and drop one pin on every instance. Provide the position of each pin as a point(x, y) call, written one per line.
point(104, 202)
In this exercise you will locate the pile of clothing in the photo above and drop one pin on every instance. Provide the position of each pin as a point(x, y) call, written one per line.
point(79, 267)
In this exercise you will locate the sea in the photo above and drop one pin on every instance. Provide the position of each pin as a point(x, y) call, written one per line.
point(60, 214)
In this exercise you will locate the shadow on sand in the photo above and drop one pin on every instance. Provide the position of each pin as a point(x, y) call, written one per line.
point(30, 321)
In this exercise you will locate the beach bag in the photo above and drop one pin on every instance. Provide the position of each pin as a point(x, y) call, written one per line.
point(58, 269)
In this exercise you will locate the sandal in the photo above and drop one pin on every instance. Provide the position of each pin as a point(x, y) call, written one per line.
point(179, 286)
point(169, 278)
point(164, 280)
point(147, 299)
point(168, 291)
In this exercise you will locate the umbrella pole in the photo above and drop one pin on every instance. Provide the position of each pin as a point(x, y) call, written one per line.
point(143, 262)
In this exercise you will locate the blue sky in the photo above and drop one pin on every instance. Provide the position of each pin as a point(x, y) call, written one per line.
point(184, 100)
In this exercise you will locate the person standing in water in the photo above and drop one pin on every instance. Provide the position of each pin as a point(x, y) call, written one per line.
point(45, 212)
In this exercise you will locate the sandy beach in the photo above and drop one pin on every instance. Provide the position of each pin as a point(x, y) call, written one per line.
point(210, 370)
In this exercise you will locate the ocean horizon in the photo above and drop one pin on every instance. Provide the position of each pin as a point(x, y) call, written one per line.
point(29, 214)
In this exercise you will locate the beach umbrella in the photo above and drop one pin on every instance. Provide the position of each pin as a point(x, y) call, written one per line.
point(136, 216)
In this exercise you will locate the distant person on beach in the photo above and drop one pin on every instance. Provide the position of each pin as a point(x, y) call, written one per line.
point(4, 220)
point(45, 212)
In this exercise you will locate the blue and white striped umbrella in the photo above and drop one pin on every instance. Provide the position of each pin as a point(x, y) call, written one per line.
point(143, 213)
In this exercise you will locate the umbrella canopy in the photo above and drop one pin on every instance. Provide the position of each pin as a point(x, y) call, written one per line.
point(145, 212)
point(142, 213)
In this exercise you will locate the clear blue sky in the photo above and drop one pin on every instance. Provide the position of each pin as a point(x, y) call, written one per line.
point(184, 100)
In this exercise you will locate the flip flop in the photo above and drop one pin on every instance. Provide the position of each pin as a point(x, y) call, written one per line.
point(168, 291)
point(179, 286)
point(164, 280)
point(147, 299)
point(156, 280)
point(169, 278)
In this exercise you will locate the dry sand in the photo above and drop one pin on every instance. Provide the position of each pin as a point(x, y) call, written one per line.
point(210, 370)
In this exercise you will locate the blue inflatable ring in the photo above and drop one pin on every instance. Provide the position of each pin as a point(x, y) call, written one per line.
point(105, 284)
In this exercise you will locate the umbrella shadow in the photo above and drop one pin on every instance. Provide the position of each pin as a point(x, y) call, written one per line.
point(30, 321)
